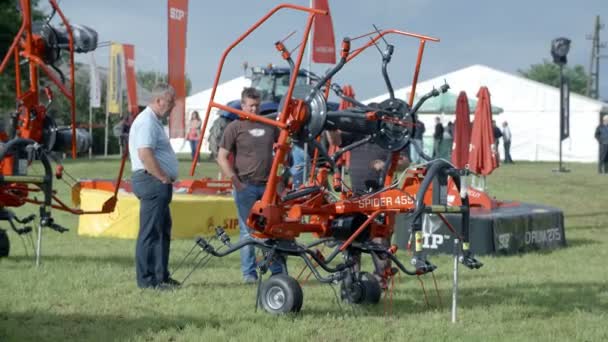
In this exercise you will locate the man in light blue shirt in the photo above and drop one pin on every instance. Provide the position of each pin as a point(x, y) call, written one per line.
point(154, 167)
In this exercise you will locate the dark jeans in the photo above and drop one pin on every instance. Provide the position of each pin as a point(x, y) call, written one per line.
point(193, 144)
point(436, 147)
point(154, 238)
point(507, 147)
point(245, 199)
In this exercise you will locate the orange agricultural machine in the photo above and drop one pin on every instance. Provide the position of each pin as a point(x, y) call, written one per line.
point(31, 134)
point(343, 220)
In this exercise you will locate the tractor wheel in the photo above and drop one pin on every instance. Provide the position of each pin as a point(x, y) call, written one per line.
point(215, 135)
point(281, 294)
point(5, 245)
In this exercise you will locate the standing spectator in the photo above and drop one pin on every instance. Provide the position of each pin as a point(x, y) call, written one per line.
point(154, 167)
point(251, 146)
point(418, 142)
point(297, 167)
point(193, 132)
point(450, 129)
point(497, 135)
point(437, 137)
point(506, 142)
point(601, 135)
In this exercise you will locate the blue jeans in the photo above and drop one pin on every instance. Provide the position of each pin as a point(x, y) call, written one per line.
point(245, 199)
point(193, 144)
point(414, 152)
point(297, 169)
point(154, 237)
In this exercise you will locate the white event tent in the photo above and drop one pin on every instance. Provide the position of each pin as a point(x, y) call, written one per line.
point(226, 92)
point(531, 109)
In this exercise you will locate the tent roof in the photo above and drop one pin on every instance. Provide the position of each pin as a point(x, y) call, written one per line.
point(227, 91)
point(512, 92)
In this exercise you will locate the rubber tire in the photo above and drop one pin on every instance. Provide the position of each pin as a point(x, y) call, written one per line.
point(215, 135)
point(291, 290)
point(346, 298)
point(373, 291)
point(5, 244)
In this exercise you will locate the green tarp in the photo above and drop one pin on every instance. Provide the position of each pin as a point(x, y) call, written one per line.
point(446, 104)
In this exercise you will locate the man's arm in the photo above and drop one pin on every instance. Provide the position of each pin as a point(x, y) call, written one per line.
point(225, 166)
point(227, 169)
point(146, 155)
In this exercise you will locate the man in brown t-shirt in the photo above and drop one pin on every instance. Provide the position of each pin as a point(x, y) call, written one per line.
point(251, 145)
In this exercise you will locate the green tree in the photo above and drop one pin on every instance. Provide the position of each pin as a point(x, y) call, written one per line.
point(548, 73)
point(9, 25)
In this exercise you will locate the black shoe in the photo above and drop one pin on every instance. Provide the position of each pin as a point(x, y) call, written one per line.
point(165, 287)
point(172, 282)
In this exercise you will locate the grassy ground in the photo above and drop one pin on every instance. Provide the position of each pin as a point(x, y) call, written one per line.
point(85, 290)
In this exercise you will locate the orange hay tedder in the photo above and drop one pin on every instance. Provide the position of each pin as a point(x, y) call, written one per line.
point(342, 220)
point(31, 134)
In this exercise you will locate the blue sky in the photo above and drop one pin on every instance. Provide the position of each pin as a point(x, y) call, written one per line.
point(507, 35)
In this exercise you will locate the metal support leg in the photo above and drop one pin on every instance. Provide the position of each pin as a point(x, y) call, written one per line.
point(455, 280)
point(38, 245)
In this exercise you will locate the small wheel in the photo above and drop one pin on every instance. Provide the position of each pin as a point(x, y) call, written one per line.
point(353, 293)
point(5, 244)
point(373, 291)
point(281, 294)
point(365, 290)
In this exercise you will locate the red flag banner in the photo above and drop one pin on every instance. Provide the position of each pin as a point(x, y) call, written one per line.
point(129, 52)
point(323, 41)
point(177, 24)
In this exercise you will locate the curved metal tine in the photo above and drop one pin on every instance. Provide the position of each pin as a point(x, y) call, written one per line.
point(186, 256)
point(201, 263)
point(380, 33)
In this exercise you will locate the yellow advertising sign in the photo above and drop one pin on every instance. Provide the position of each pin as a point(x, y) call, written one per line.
point(114, 95)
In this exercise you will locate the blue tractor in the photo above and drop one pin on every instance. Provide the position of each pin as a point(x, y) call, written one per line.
point(272, 82)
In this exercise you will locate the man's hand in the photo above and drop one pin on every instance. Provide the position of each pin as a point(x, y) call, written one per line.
point(238, 185)
point(146, 155)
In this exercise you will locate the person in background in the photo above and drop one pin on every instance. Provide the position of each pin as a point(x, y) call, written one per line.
point(193, 132)
point(251, 144)
point(417, 142)
point(497, 135)
point(450, 129)
point(155, 168)
point(297, 167)
point(437, 137)
point(506, 142)
point(601, 135)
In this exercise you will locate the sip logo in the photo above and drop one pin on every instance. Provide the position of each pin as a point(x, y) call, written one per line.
point(433, 241)
point(176, 14)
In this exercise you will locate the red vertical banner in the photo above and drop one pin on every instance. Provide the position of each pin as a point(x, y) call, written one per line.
point(177, 24)
point(323, 40)
point(129, 53)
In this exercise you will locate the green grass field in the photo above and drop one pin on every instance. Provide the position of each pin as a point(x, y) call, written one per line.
point(85, 290)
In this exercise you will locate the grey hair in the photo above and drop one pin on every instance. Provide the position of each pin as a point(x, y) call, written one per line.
point(161, 89)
